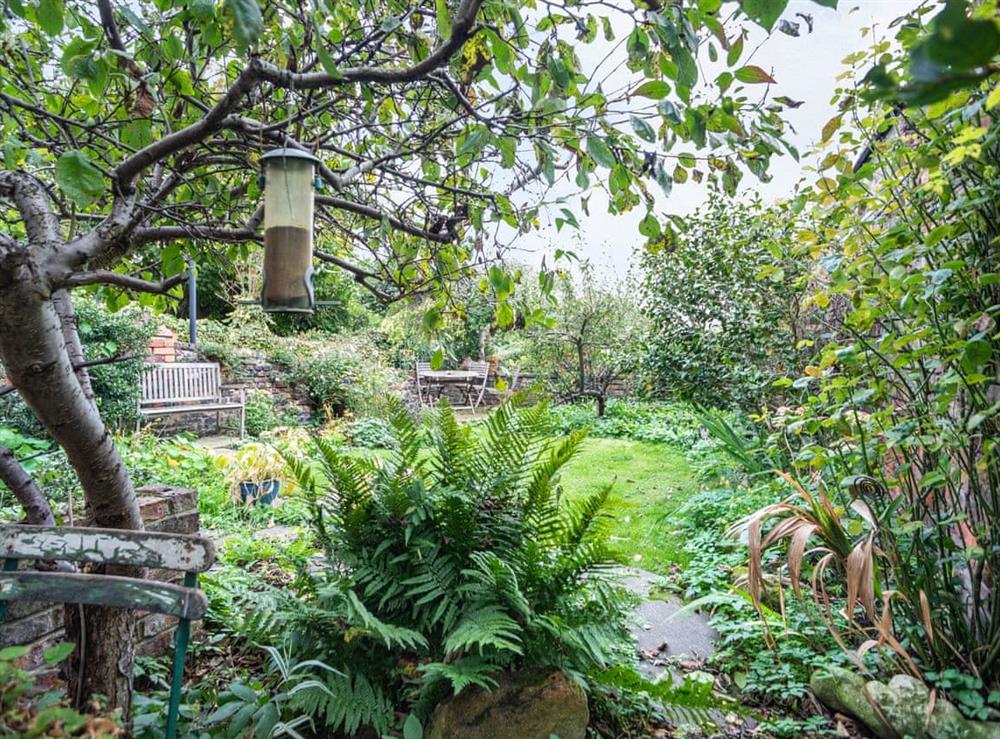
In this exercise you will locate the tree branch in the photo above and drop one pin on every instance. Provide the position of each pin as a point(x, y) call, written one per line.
point(128, 282)
point(375, 214)
point(36, 507)
point(32, 201)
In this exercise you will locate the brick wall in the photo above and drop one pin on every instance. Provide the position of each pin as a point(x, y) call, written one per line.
point(40, 625)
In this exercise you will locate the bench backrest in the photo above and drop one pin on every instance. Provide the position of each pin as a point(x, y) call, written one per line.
point(181, 382)
point(190, 554)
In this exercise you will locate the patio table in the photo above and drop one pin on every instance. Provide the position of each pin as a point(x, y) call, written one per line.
point(449, 376)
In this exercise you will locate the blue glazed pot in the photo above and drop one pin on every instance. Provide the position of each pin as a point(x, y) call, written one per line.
point(263, 494)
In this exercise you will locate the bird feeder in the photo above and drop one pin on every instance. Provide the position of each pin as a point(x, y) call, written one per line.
point(288, 231)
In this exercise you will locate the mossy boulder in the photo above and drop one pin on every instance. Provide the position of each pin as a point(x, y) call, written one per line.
point(529, 704)
point(897, 708)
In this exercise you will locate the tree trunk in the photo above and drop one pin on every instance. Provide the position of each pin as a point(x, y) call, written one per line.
point(34, 351)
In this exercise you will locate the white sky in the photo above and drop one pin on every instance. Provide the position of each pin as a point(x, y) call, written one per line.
point(805, 69)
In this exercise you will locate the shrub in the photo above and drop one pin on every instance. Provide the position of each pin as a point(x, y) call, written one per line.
point(263, 413)
point(371, 432)
point(445, 566)
point(347, 375)
point(668, 423)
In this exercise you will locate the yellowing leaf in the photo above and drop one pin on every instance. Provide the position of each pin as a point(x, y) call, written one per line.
point(993, 99)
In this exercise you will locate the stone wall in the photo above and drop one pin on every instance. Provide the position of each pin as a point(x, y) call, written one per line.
point(39, 625)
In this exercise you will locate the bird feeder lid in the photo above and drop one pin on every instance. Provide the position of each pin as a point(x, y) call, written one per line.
point(286, 153)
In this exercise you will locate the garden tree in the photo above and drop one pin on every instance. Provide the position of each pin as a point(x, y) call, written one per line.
point(722, 296)
point(591, 340)
point(131, 132)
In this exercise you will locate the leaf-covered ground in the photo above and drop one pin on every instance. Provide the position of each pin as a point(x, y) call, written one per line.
point(651, 482)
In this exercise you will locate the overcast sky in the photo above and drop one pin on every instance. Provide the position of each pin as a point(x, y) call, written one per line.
point(805, 69)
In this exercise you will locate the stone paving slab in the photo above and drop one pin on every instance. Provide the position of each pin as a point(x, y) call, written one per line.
point(662, 628)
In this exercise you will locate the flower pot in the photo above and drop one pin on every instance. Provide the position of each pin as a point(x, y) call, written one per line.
point(262, 494)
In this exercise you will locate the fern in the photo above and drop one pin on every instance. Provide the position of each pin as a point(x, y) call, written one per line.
point(462, 673)
point(345, 703)
point(451, 559)
point(691, 702)
point(488, 626)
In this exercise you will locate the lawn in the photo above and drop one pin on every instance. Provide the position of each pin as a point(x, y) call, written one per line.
point(651, 482)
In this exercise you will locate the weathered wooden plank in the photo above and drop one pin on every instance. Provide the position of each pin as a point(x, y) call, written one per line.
point(104, 590)
point(80, 544)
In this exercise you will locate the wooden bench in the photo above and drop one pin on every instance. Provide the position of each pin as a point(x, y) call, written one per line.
point(179, 552)
point(186, 387)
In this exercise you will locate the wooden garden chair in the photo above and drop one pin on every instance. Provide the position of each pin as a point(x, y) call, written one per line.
point(179, 552)
point(425, 390)
point(477, 386)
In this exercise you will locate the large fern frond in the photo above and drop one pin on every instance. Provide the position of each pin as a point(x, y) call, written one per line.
point(345, 703)
point(483, 628)
point(462, 673)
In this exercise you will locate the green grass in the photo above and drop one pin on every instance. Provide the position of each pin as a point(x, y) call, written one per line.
point(651, 482)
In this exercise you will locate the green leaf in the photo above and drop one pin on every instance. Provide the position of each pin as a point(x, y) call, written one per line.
point(58, 652)
point(505, 315)
point(643, 129)
point(474, 142)
point(560, 75)
point(649, 226)
point(82, 182)
point(243, 692)
point(50, 16)
point(437, 359)
point(959, 41)
point(412, 728)
point(223, 712)
point(735, 51)
point(247, 22)
point(764, 12)
point(443, 18)
point(433, 319)
point(9, 654)
point(268, 717)
point(831, 127)
point(325, 59)
point(976, 354)
point(202, 10)
point(664, 180)
point(653, 89)
point(753, 75)
point(600, 152)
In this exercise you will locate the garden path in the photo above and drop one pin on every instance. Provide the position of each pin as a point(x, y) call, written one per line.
point(663, 630)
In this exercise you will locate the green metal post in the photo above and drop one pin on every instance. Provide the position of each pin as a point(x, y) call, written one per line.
point(182, 635)
point(9, 565)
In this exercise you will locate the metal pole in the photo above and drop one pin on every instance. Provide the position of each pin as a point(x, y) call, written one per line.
point(192, 303)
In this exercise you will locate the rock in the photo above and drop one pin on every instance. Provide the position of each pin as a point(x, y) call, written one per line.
point(904, 702)
point(530, 704)
point(844, 691)
point(901, 707)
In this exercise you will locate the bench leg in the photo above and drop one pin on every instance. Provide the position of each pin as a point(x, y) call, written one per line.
point(181, 638)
